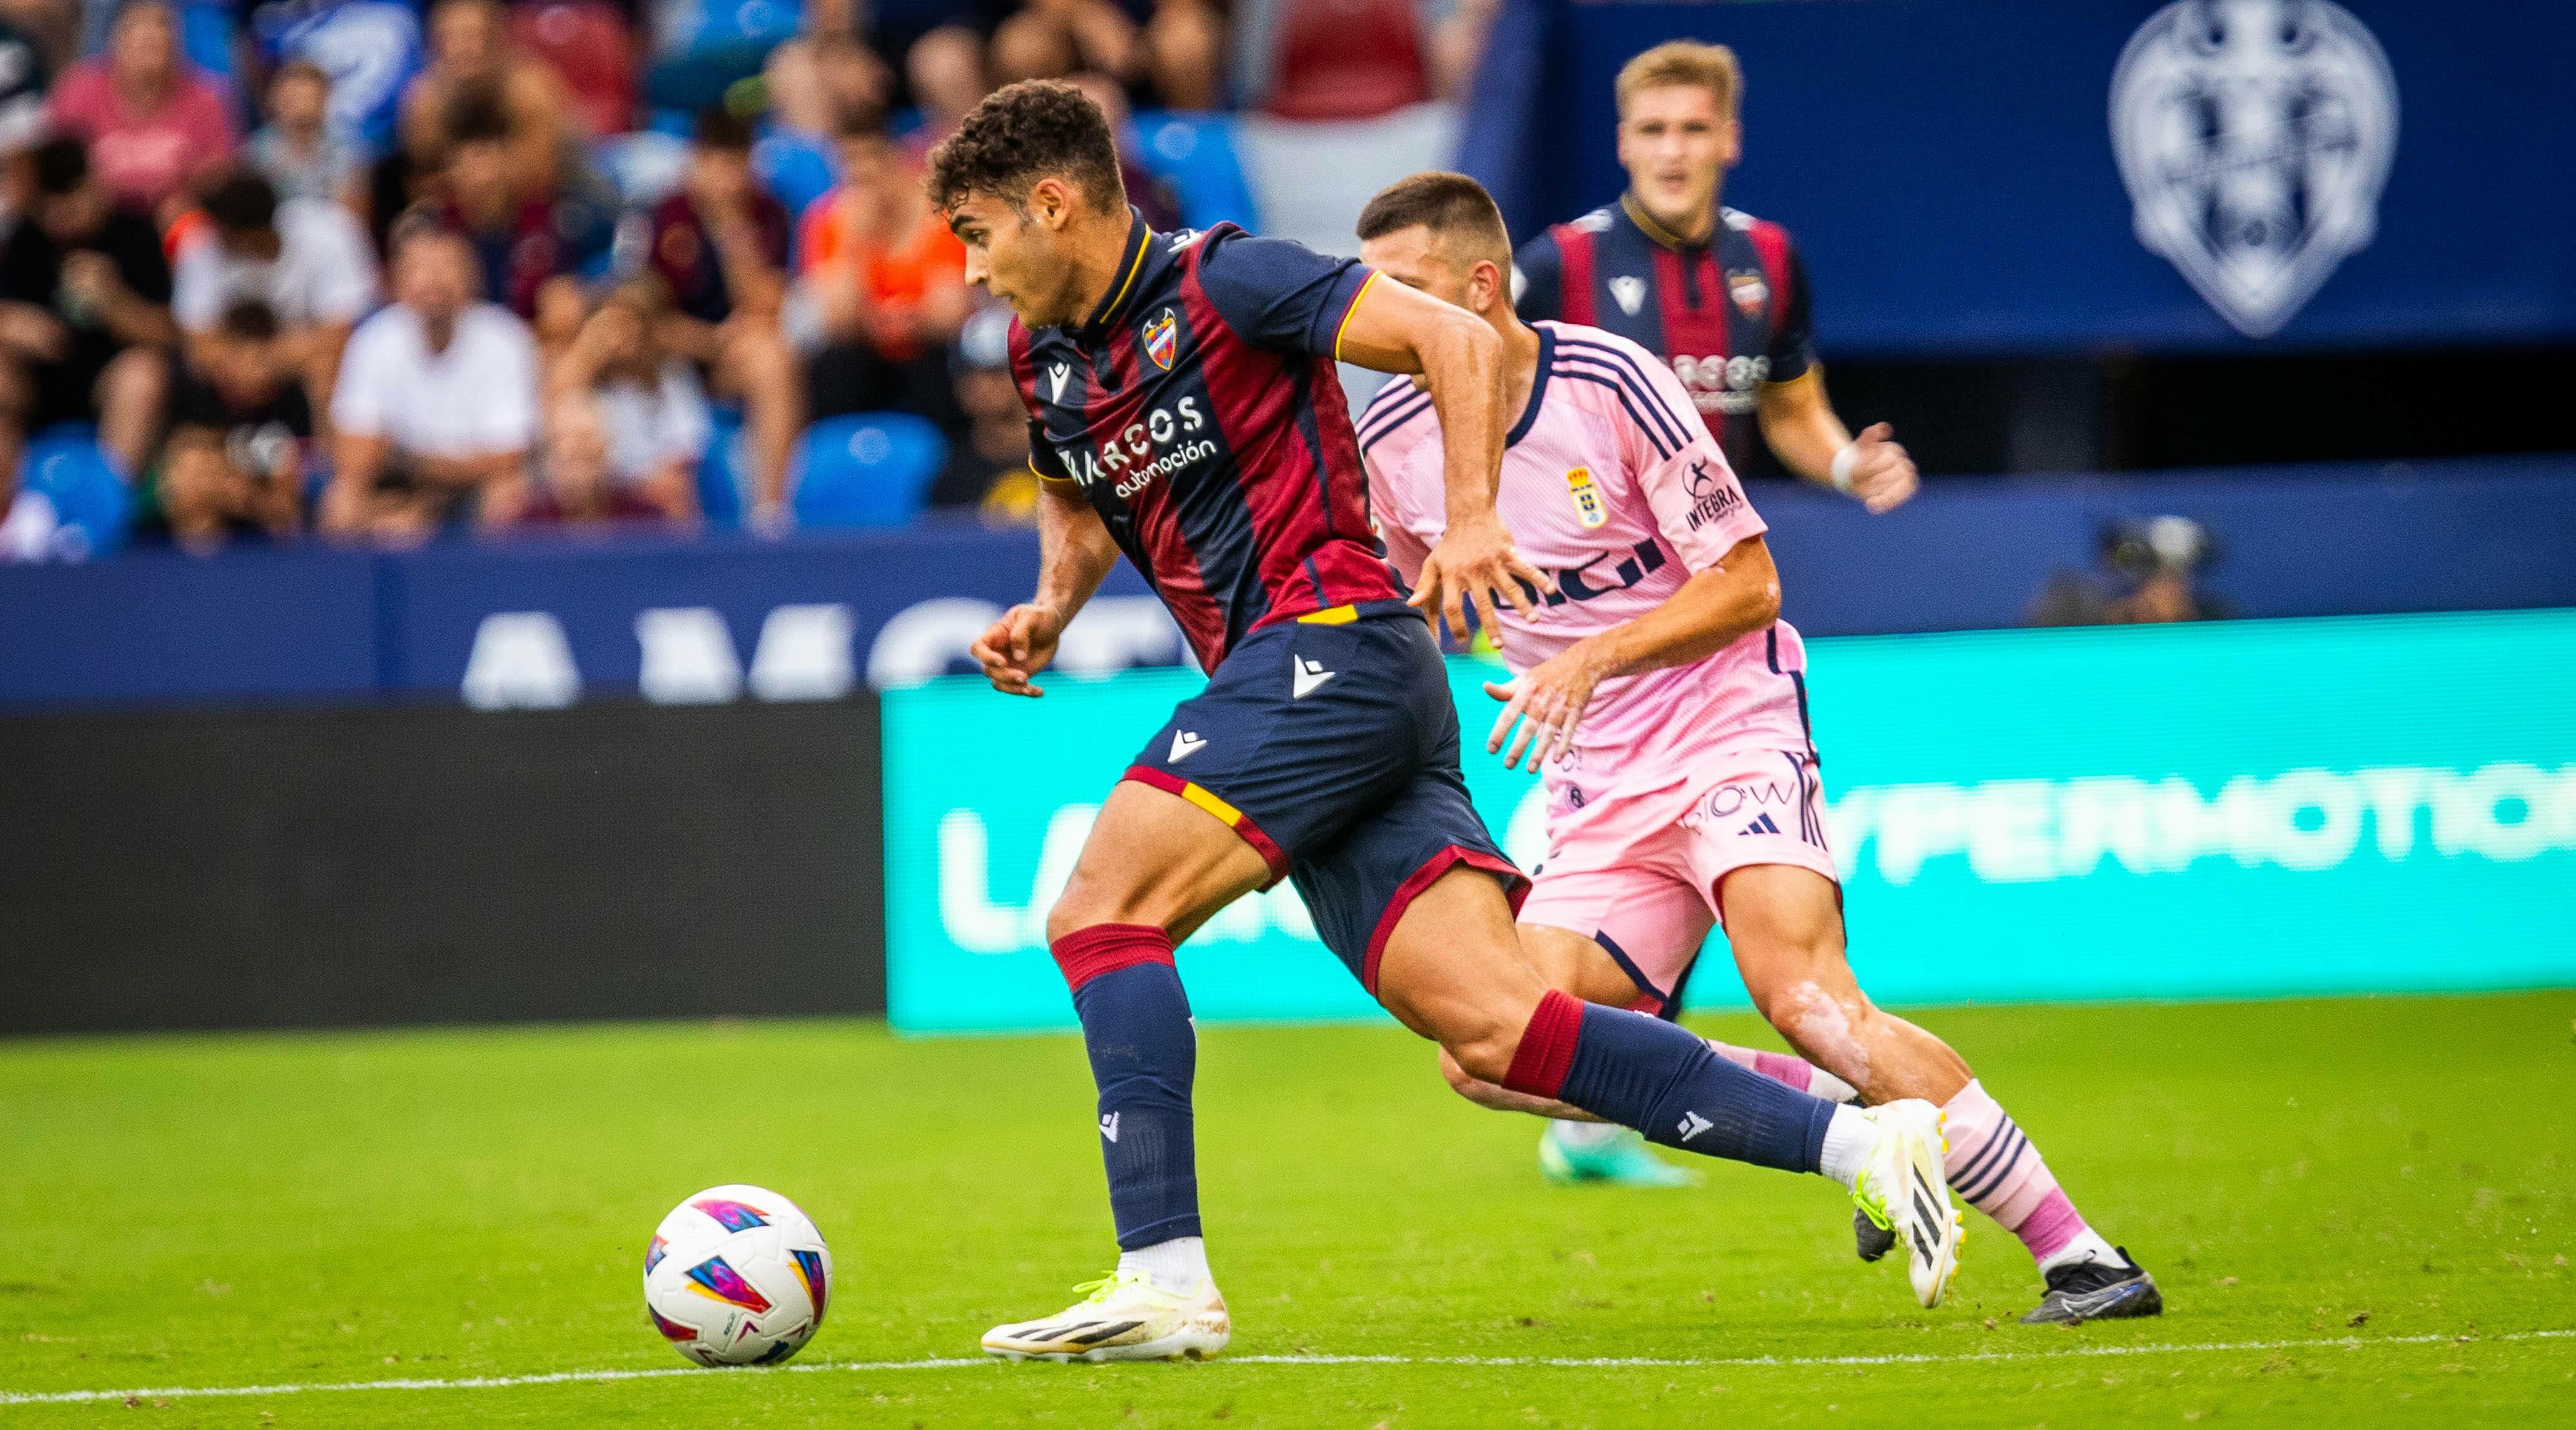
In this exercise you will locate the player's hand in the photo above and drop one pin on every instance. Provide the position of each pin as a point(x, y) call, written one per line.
point(1882, 475)
point(1016, 647)
point(1549, 702)
point(1473, 570)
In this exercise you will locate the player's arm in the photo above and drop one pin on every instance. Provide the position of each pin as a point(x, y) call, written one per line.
point(1799, 422)
point(1809, 438)
point(1393, 328)
point(1075, 554)
point(1716, 605)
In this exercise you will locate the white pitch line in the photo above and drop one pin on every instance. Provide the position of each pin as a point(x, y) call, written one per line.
point(585, 1377)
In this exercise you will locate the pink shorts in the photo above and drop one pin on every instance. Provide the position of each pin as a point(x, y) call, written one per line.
point(1638, 874)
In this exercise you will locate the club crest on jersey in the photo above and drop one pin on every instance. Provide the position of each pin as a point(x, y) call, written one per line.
point(1629, 293)
point(1587, 498)
point(1162, 338)
point(1749, 292)
point(2254, 137)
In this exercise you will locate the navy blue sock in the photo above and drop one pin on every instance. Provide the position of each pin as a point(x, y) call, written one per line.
point(1144, 1054)
point(1662, 1080)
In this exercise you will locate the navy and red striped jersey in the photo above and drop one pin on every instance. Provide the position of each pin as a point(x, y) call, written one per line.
point(1198, 412)
point(1729, 314)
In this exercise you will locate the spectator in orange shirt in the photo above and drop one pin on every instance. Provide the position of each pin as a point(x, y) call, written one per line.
point(881, 285)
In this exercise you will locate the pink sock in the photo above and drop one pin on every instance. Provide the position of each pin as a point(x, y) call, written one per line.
point(1995, 1169)
point(1780, 1067)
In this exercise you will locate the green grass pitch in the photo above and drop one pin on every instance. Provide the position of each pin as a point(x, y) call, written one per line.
point(2360, 1211)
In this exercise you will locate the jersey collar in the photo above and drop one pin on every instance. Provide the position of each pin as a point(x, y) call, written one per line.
point(1659, 235)
point(1131, 262)
point(1538, 387)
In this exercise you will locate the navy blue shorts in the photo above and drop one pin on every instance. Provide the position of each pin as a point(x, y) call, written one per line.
point(1330, 744)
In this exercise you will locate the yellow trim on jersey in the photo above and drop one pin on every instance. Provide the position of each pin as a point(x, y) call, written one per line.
point(1333, 616)
point(1350, 312)
point(1132, 270)
point(1199, 796)
point(1052, 481)
point(1656, 232)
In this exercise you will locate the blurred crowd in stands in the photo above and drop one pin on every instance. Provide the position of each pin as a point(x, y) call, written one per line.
point(373, 272)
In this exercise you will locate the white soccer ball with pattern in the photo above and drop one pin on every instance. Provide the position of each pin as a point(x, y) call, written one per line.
point(737, 1275)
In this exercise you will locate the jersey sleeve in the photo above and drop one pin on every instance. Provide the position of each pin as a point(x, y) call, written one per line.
point(1280, 295)
point(1793, 347)
point(1391, 514)
point(1043, 459)
point(1699, 505)
point(1538, 280)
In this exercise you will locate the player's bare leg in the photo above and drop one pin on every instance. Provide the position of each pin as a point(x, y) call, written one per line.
point(1578, 1148)
point(1785, 925)
point(1452, 971)
point(1154, 868)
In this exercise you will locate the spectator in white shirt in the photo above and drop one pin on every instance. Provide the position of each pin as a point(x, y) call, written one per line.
point(437, 401)
point(307, 259)
point(645, 397)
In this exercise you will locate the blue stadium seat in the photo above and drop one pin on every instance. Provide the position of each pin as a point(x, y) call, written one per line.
point(796, 168)
point(867, 469)
point(66, 467)
point(702, 46)
point(206, 37)
point(1194, 153)
point(724, 473)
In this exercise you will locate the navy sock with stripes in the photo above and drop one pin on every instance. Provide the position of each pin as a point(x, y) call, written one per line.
point(1144, 1056)
point(1660, 1079)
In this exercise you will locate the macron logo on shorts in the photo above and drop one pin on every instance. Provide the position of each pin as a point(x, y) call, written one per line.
point(1185, 743)
point(1305, 676)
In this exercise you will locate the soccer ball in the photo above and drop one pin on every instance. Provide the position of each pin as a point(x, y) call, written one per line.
point(737, 1275)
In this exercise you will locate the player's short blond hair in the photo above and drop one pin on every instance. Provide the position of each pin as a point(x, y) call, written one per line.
point(1679, 62)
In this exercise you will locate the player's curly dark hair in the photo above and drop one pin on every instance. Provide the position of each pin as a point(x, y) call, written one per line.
point(1022, 133)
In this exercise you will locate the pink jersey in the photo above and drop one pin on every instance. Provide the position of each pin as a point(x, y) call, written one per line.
point(1611, 484)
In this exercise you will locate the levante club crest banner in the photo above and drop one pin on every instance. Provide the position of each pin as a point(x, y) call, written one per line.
point(2244, 810)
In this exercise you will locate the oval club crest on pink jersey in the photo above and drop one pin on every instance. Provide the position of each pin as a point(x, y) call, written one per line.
point(1162, 338)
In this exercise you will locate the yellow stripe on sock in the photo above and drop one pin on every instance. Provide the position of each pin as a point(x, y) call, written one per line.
point(1213, 805)
point(1336, 616)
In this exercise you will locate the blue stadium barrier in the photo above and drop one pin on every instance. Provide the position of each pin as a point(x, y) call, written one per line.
point(312, 623)
point(868, 469)
point(1950, 174)
point(91, 503)
point(1195, 154)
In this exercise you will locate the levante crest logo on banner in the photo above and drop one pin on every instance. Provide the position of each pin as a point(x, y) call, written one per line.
point(2254, 136)
point(1162, 338)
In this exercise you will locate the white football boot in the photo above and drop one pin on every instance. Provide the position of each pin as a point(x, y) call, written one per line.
point(1126, 1317)
point(1901, 1189)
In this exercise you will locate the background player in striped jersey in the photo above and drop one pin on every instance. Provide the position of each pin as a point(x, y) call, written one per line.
point(1184, 413)
point(1665, 702)
point(1719, 294)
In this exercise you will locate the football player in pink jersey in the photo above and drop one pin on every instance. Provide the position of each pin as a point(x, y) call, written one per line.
point(1665, 703)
